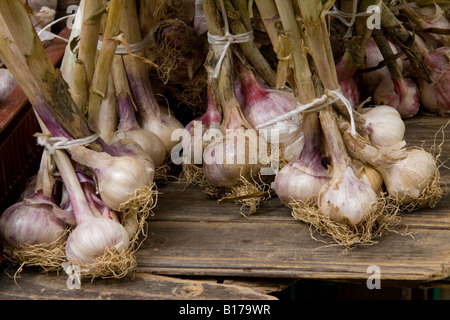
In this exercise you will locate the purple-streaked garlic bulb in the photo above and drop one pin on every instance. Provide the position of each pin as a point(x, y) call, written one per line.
point(399, 93)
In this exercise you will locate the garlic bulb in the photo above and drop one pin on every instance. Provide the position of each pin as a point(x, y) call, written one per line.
point(347, 199)
point(303, 178)
point(42, 17)
point(163, 125)
point(25, 223)
point(384, 125)
point(92, 237)
point(262, 104)
point(297, 181)
point(193, 137)
point(117, 177)
point(406, 179)
point(399, 93)
point(227, 160)
point(129, 129)
point(36, 5)
point(372, 79)
point(435, 96)
point(7, 83)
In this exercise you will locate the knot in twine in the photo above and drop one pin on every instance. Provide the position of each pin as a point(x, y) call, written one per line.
point(227, 40)
point(62, 143)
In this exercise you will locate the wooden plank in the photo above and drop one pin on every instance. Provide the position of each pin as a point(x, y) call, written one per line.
point(33, 285)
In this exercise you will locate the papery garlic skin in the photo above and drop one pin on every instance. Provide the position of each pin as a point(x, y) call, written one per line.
point(347, 199)
point(148, 141)
point(406, 179)
point(384, 125)
point(31, 224)
point(368, 174)
point(163, 125)
point(435, 97)
point(90, 240)
point(117, 177)
point(299, 182)
point(227, 160)
point(401, 94)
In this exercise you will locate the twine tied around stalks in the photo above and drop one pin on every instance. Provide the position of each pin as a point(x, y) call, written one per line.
point(227, 40)
point(328, 98)
point(62, 143)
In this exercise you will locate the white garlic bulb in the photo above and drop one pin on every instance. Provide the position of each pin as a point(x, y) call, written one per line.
point(300, 181)
point(236, 155)
point(117, 177)
point(90, 240)
point(406, 179)
point(347, 199)
point(384, 125)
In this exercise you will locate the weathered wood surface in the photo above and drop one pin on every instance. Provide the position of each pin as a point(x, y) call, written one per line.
point(34, 285)
point(191, 236)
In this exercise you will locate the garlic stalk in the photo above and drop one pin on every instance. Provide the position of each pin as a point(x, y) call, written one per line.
point(99, 84)
point(237, 154)
point(129, 127)
point(150, 115)
point(346, 69)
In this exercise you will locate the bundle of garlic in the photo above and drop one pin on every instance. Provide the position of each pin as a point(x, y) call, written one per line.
point(352, 184)
point(101, 153)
